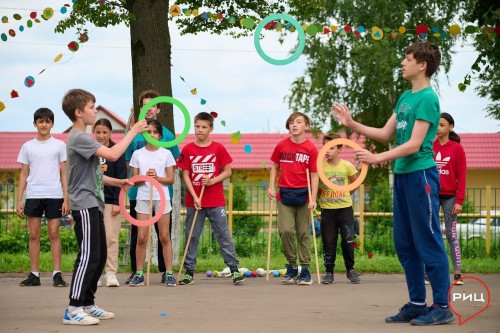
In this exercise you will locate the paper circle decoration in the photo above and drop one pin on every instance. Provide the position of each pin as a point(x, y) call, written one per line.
point(47, 13)
point(29, 81)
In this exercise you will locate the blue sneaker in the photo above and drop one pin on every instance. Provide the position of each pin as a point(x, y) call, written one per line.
point(137, 280)
point(435, 315)
point(170, 280)
point(305, 277)
point(290, 275)
point(408, 312)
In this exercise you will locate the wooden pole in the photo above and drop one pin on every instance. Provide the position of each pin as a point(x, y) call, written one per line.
point(149, 232)
point(269, 236)
point(189, 237)
point(313, 229)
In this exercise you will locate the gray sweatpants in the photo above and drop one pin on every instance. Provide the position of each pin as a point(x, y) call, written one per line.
point(450, 224)
point(218, 219)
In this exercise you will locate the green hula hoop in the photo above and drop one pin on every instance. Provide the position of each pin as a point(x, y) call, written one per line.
point(187, 121)
point(298, 51)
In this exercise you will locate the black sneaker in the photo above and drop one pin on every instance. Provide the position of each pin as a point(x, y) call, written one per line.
point(407, 313)
point(237, 277)
point(290, 275)
point(163, 278)
point(32, 280)
point(353, 276)
point(305, 277)
point(328, 278)
point(435, 315)
point(457, 280)
point(58, 280)
point(186, 279)
point(127, 281)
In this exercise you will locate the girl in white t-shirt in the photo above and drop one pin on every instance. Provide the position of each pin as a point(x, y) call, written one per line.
point(158, 163)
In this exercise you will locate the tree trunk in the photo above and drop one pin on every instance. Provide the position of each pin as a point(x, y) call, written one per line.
point(151, 53)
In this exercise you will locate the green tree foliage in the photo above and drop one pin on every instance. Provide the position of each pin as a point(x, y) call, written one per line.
point(150, 37)
point(486, 13)
point(361, 72)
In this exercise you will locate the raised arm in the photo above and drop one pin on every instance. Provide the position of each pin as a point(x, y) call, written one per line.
point(408, 148)
point(112, 154)
point(384, 134)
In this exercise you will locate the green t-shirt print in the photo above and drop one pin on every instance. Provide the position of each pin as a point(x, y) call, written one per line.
point(420, 105)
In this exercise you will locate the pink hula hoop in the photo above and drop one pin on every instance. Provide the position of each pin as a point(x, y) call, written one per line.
point(163, 201)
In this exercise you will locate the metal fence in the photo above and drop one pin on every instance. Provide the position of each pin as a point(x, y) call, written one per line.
point(248, 212)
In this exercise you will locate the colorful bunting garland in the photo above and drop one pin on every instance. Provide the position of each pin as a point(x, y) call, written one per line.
point(46, 14)
point(422, 31)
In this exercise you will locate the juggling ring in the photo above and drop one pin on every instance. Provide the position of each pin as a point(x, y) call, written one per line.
point(300, 47)
point(163, 201)
point(185, 113)
point(321, 155)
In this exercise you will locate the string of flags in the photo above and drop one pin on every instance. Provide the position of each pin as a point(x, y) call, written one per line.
point(233, 137)
point(18, 23)
point(422, 31)
point(72, 46)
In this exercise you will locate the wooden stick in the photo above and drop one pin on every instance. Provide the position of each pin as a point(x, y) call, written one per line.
point(149, 232)
point(189, 237)
point(313, 229)
point(269, 235)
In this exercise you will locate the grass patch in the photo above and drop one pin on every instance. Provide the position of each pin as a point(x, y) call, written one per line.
point(379, 263)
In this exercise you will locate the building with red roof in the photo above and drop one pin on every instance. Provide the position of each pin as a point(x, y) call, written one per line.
point(251, 156)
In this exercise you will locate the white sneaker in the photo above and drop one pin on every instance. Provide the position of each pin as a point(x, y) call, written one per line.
point(99, 313)
point(99, 283)
point(79, 317)
point(111, 280)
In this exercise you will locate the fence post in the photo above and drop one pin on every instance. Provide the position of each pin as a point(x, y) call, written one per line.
point(362, 218)
point(230, 208)
point(488, 220)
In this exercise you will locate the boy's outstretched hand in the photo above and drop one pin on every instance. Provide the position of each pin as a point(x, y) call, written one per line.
point(341, 113)
point(139, 127)
point(125, 184)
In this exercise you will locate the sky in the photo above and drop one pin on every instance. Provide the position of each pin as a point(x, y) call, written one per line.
point(247, 92)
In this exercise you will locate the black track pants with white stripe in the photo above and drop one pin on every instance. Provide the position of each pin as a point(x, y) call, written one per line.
point(90, 261)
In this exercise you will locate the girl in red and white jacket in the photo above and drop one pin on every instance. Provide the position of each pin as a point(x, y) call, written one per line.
point(450, 160)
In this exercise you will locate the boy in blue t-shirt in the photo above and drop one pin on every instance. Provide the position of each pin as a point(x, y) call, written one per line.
point(417, 232)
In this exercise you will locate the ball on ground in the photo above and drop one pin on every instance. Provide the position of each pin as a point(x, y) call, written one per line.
point(209, 273)
point(261, 271)
point(248, 274)
point(276, 273)
point(254, 273)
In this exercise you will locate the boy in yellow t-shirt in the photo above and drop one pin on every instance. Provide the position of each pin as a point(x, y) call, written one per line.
point(337, 215)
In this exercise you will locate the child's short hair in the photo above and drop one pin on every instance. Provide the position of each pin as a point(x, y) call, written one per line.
point(294, 116)
point(206, 117)
point(331, 136)
point(147, 94)
point(156, 124)
point(43, 114)
point(428, 53)
point(76, 99)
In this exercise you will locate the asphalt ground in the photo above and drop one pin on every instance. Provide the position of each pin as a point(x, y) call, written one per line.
point(216, 305)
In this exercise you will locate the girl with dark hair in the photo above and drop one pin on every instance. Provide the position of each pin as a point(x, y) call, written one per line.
point(159, 163)
point(112, 217)
point(451, 162)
